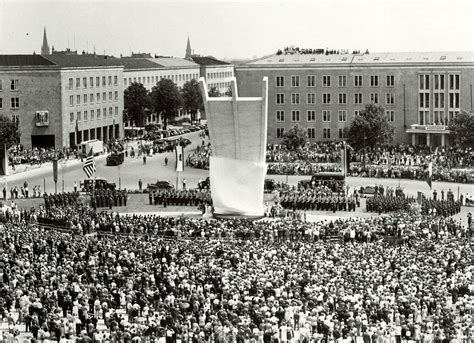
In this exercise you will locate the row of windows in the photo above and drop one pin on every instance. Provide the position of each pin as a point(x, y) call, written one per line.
point(219, 75)
point(325, 115)
point(326, 132)
point(106, 80)
point(14, 103)
point(436, 118)
point(90, 98)
point(342, 98)
point(438, 100)
point(93, 114)
point(326, 81)
point(439, 82)
point(13, 85)
point(150, 80)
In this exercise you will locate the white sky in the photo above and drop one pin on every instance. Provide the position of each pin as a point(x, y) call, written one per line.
point(238, 29)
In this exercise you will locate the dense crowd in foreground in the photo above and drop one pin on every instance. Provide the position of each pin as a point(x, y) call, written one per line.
point(241, 281)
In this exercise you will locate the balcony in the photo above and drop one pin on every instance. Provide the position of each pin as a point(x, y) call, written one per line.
point(432, 128)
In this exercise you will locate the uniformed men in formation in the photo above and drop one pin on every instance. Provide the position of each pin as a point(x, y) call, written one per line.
point(384, 204)
point(309, 201)
point(179, 198)
point(60, 199)
point(109, 198)
point(441, 208)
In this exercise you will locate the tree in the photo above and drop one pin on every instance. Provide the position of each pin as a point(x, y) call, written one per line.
point(462, 128)
point(9, 132)
point(192, 98)
point(295, 138)
point(370, 128)
point(214, 92)
point(136, 100)
point(228, 92)
point(166, 99)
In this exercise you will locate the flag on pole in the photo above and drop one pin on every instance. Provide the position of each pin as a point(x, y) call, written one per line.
point(89, 165)
point(179, 158)
point(429, 174)
point(77, 133)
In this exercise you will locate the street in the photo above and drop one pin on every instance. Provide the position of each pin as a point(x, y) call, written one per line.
point(126, 176)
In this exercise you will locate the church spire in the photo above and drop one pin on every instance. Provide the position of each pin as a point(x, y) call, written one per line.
point(188, 50)
point(45, 46)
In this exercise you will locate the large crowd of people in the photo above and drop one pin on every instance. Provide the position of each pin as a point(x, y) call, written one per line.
point(238, 280)
point(17, 154)
point(452, 164)
point(199, 159)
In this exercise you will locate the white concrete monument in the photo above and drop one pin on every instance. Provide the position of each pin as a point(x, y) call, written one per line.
point(238, 134)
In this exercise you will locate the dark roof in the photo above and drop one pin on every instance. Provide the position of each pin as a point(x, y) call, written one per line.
point(78, 61)
point(138, 63)
point(24, 60)
point(208, 60)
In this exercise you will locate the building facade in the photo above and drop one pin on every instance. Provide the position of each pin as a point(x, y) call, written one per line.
point(218, 74)
point(420, 92)
point(61, 100)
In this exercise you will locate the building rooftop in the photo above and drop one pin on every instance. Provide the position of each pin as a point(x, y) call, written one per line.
point(84, 61)
point(138, 63)
point(367, 58)
point(24, 60)
point(172, 62)
point(207, 60)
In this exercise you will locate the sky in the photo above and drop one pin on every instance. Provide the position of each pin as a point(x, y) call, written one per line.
point(236, 29)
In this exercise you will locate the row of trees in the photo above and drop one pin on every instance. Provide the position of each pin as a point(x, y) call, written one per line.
point(165, 99)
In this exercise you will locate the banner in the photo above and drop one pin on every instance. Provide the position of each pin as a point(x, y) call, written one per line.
point(429, 174)
point(179, 158)
point(3, 160)
point(55, 170)
point(237, 186)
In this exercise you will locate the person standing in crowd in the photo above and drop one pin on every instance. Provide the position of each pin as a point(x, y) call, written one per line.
point(75, 186)
point(140, 184)
point(184, 184)
point(4, 191)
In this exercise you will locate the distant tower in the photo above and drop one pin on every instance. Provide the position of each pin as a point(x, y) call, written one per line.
point(45, 46)
point(188, 50)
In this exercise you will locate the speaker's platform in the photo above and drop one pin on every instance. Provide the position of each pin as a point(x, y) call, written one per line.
point(235, 216)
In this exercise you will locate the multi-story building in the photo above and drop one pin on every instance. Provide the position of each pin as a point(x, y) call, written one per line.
point(217, 73)
point(60, 100)
point(420, 92)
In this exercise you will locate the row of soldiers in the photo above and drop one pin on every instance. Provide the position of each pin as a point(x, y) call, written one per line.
point(444, 208)
point(179, 198)
point(384, 204)
point(61, 199)
point(334, 203)
point(109, 198)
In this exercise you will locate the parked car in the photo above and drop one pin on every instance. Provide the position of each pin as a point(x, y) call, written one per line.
point(206, 184)
point(158, 186)
point(115, 158)
point(269, 185)
point(100, 183)
point(367, 190)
